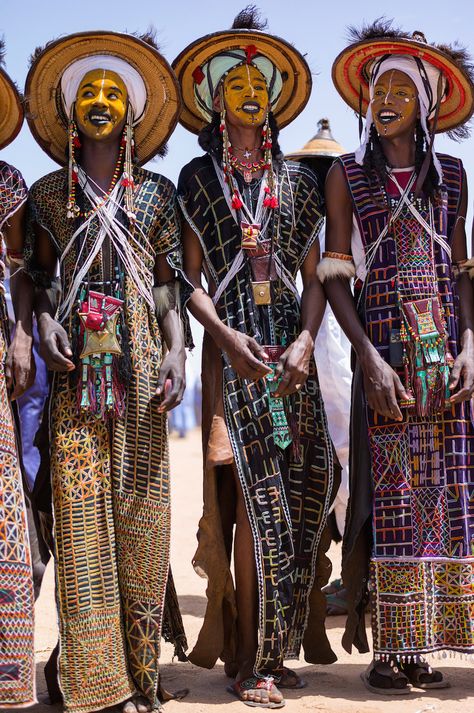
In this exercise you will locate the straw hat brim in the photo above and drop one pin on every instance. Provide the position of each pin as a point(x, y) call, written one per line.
point(11, 110)
point(297, 82)
point(351, 73)
point(45, 112)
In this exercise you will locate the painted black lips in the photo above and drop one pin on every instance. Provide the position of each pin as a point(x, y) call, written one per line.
point(251, 107)
point(387, 116)
point(98, 118)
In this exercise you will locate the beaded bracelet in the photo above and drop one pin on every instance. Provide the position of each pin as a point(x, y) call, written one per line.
point(336, 265)
point(337, 256)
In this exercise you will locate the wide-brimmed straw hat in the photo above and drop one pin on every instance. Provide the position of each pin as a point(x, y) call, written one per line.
point(11, 109)
point(352, 69)
point(294, 70)
point(45, 112)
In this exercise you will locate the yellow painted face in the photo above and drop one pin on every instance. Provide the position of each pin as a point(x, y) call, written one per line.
point(101, 104)
point(246, 96)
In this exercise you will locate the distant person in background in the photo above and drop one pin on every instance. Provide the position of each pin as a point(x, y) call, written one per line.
point(183, 418)
point(396, 223)
point(332, 352)
point(17, 665)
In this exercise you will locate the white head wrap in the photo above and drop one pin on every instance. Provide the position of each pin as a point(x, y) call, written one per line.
point(425, 77)
point(75, 73)
point(213, 71)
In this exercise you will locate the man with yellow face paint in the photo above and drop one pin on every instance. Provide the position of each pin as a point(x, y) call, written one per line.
point(252, 223)
point(114, 227)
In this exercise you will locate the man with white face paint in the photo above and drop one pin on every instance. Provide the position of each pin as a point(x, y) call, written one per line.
point(115, 230)
point(395, 223)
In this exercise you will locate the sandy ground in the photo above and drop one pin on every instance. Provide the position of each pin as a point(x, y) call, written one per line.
point(335, 688)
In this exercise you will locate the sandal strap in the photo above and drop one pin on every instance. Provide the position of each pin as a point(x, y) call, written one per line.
point(254, 683)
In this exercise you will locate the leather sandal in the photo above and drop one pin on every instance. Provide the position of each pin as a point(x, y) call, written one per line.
point(388, 682)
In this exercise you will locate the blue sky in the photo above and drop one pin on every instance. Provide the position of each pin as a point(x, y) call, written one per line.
point(315, 28)
point(318, 29)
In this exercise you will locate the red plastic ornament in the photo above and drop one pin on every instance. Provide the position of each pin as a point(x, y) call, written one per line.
point(236, 202)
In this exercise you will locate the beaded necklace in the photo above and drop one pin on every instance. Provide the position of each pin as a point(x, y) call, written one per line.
point(72, 205)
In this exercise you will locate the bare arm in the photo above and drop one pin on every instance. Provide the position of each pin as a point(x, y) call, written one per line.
point(173, 364)
point(243, 351)
point(381, 383)
point(294, 363)
point(54, 342)
point(20, 365)
point(463, 369)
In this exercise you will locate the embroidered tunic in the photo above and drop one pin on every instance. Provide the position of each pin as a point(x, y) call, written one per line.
point(288, 492)
point(16, 578)
point(110, 477)
point(419, 472)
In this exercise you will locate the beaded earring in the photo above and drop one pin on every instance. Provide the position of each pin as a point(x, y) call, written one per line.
point(127, 179)
point(271, 200)
point(74, 143)
point(236, 201)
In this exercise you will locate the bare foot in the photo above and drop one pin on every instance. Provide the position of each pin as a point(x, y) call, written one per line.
point(137, 704)
point(261, 691)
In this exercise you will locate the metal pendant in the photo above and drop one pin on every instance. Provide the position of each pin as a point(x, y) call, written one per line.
point(250, 234)
point(262, 294)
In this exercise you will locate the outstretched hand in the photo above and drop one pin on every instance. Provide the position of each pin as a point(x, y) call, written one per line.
point(463, 371)
point(246, 355)
point(293, 367)
point(20, 367)
point(172, 370)
point(54, 345)
point(383, 387)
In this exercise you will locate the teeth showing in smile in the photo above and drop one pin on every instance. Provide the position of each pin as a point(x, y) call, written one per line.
point(386, 116)
point(251, 107)
point(99, 118)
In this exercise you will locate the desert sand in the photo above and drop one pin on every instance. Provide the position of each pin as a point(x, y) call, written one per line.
point(331, 689)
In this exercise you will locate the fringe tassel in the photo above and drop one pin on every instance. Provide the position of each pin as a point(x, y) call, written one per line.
point(330, 268)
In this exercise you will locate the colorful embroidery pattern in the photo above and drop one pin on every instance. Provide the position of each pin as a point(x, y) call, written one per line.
point(111, 488)
point(16, 578)
point(421, 577)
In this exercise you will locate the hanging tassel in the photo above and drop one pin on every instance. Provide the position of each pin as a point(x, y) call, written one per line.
point(72, 209)
point(127, 180)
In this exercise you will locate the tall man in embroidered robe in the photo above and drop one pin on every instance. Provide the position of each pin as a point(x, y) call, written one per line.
point(395, 222)
point(114, 228)
point(252, 223)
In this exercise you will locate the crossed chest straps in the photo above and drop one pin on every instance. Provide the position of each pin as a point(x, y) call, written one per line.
point(259, 250)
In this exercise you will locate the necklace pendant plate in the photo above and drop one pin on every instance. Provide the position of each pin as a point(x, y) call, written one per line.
point(262, 293)
point(250, 235)
point(248, 176)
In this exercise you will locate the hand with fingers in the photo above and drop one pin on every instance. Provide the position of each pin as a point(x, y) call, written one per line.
point(383, 387)
point(172, 370)
point(20, 367)
point(462, 373)
point(246, 355)
point(293, 367)
point(54, 345)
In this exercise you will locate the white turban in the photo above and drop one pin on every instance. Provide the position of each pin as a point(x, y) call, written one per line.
point(425, 77)
point(75, 73)
point(208, 77)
